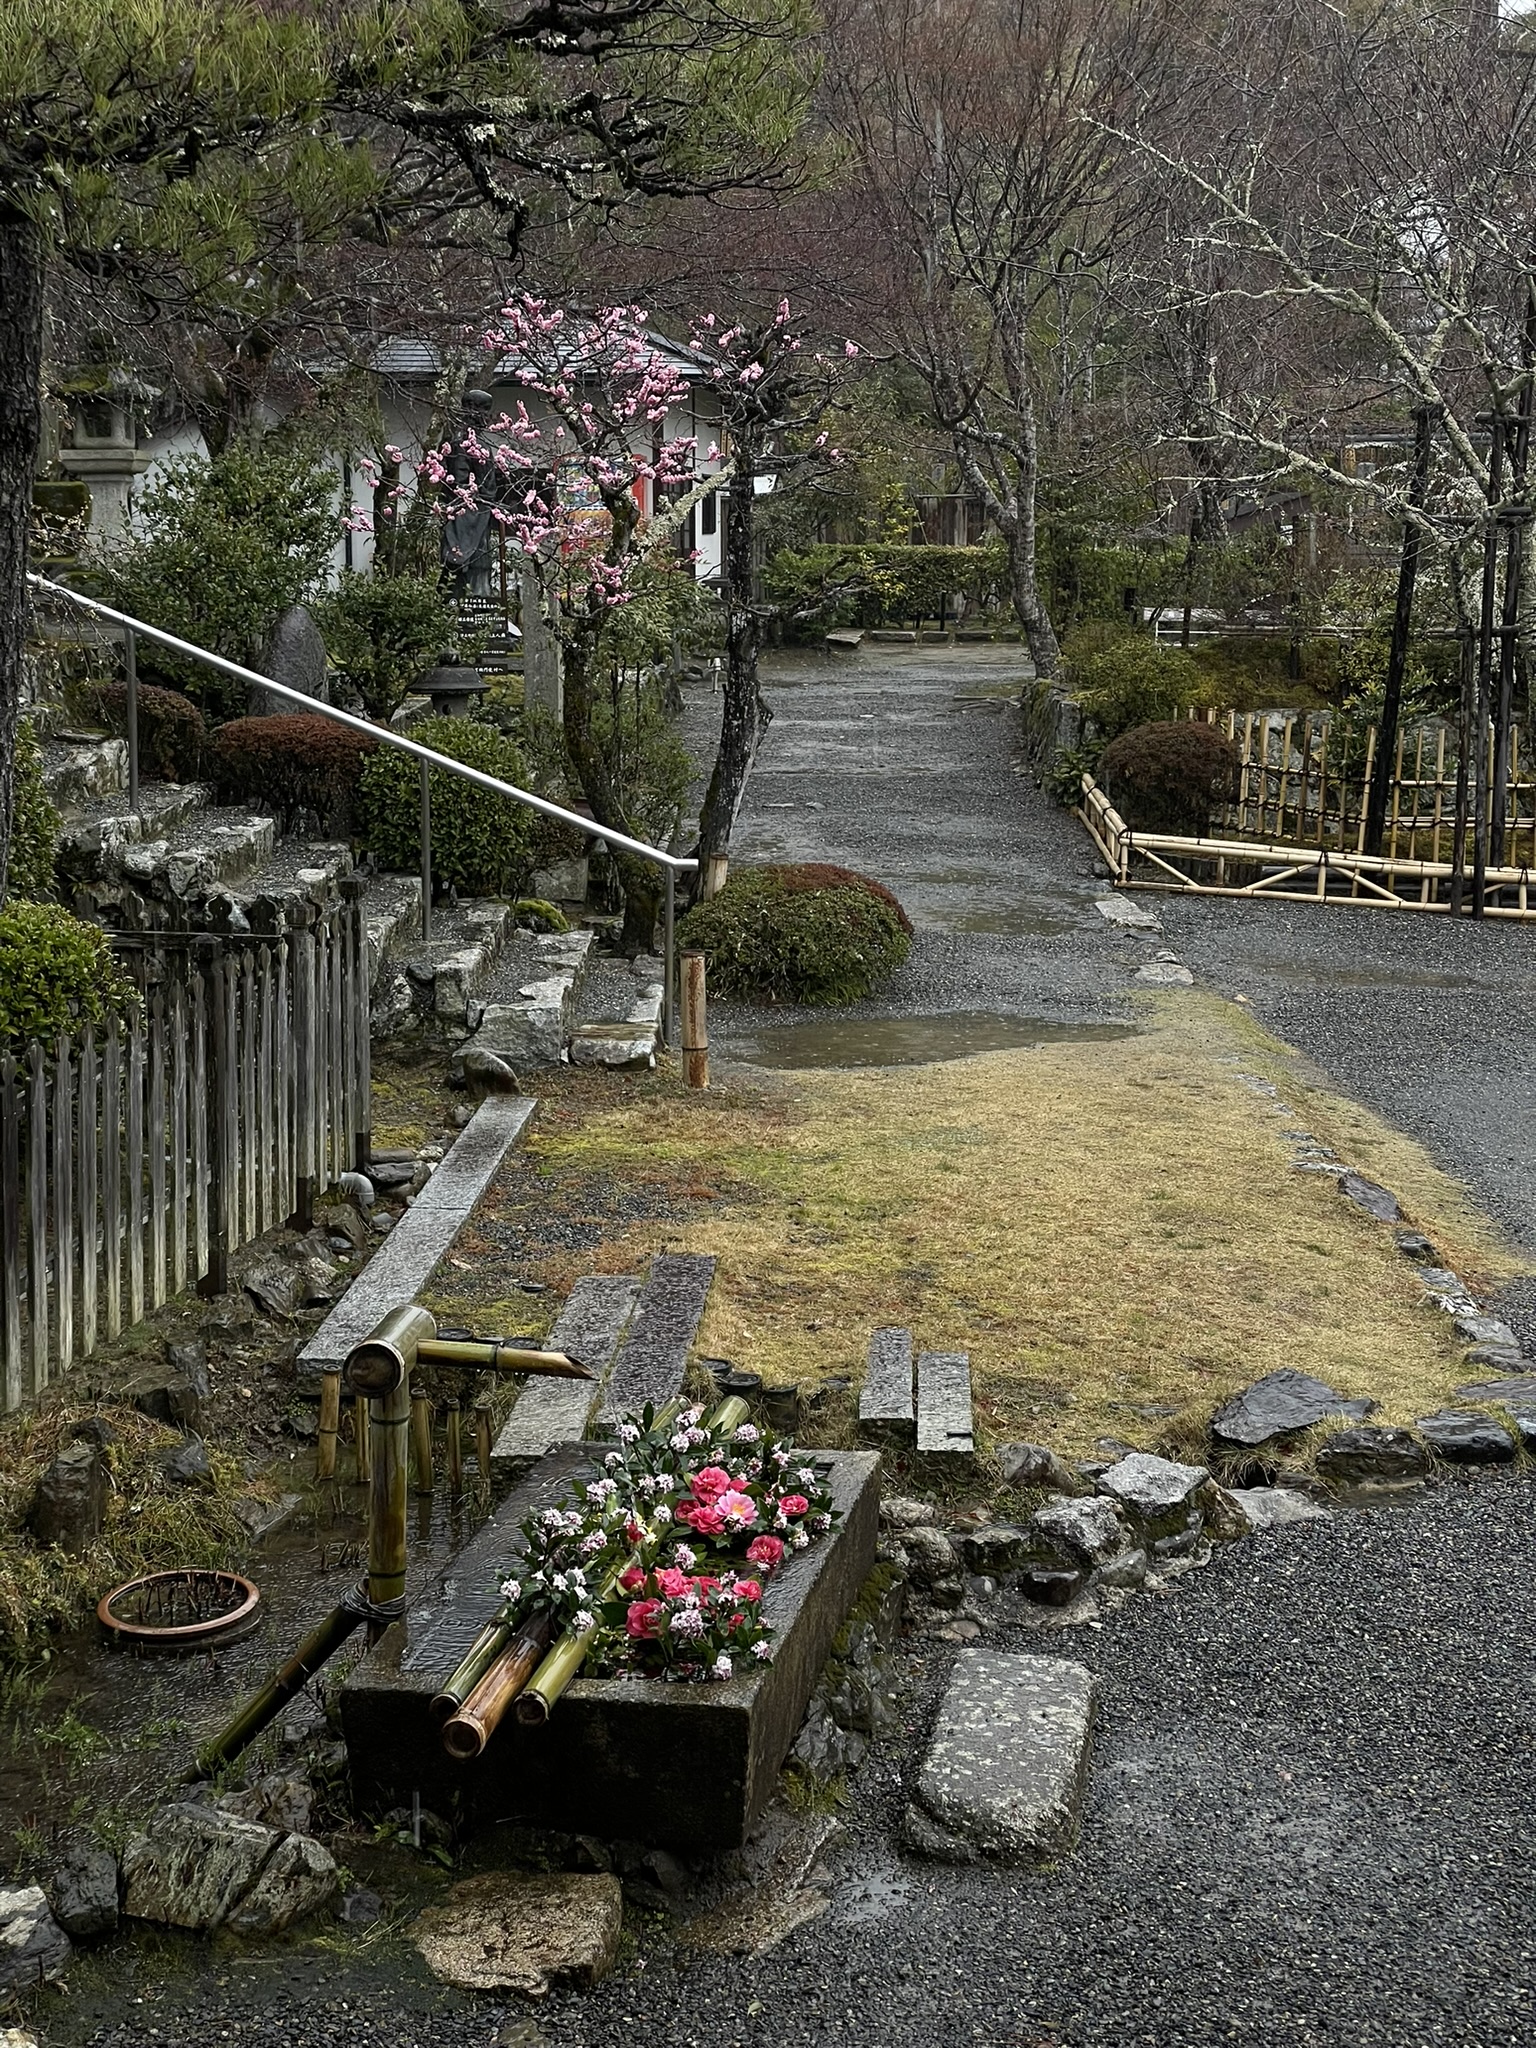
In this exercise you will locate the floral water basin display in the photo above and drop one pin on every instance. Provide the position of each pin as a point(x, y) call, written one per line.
point(694, 1578)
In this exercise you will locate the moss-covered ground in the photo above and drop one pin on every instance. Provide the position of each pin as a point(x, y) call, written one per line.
point(1114, 1231)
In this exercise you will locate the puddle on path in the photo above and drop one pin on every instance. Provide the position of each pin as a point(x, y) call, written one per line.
point(905, 1041)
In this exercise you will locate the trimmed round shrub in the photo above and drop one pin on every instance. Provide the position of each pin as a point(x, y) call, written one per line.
point(171, 728)
point(56, 974)
point(1133, 682)
point(1168, 776)
point(479, 841)
point(382, 631)
point(773, 934)
point(292, 764)
point(34, 823)
point(824, 874)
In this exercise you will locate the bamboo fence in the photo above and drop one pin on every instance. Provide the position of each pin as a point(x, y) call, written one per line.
point(136, 1158)
point(1305, 779)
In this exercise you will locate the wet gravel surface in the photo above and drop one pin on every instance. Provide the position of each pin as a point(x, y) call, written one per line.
point(903, 766)
point(1314, 1766)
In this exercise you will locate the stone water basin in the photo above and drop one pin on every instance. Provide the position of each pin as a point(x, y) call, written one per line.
point(688, 1767)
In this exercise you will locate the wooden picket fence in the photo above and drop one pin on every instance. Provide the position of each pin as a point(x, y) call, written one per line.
point(135, 1159)
point(1306, 777)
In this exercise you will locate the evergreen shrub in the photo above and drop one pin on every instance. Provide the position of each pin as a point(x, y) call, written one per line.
point(56, 974)
point(784, 935)
point(479, 841)
point(382, 631)
point(34, 823)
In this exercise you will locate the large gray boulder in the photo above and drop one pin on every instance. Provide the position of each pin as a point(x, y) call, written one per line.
point(1006, 1767)
point(1373, 1456)
point(199, 1868)
point(1090, 1532)
point(294, 655)
point(71, 1498)
point(34, 1949)
point(1278, 1405)
point(1153, 1491)
point(1466, 1438)
point(83, 1889)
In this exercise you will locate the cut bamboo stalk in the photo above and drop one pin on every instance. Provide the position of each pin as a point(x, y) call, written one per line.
point(316, 1649)
point(483, 1441)
point(453, 1447)
point(1439, 791)
point(466, 1732)
point(1397, 793)
point(482, 1654)
point(695, 1017)
point(421, 1440)
point(330, 1424)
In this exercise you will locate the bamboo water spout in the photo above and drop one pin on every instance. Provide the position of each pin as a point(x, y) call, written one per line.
point(466, 1732)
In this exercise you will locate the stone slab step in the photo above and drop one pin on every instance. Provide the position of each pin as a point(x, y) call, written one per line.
point(653, 1357)
point(78, 771)
point(443, 977)
point(391, 919)
point(105, 826)
point(550, 1412)
point(532, 1012)
point(166, 859)
point(1007, 1764)
point(403, 1264)
point(944, 1422)
point(888, 1403)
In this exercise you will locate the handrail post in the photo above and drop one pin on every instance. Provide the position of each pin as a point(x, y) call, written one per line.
point(669, 959)
point(426, 851)
point(131, 720)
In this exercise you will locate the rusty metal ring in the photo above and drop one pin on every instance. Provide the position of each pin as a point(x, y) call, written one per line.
point(239, 1620)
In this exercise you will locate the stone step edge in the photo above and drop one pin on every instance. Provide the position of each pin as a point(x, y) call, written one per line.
point(597, 1312)
point(535, 1030)
point(652, 1361)
point(408, 1257)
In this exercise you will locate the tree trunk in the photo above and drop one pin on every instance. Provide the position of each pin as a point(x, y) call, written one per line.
point(744, 716)
point(1034, 618)
point(21, 425)
point(642, 883)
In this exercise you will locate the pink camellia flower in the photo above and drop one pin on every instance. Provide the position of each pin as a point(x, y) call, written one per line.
point(643, 1618)
point(737, 1510)
point(710, 1483)
point(768, 1551)
point(632, 1580)
point(750, 1589)
point(674, 1584)
point(793, 1504)
point(702, 1517)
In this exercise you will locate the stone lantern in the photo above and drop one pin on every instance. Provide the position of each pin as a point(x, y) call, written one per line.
point(104, 409)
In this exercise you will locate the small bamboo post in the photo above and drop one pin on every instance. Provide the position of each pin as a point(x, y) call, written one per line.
point(389, 1417)
point(421, 1439)
point(695, 1021)
point(716, 868)
point(483, 1440)
point(453, 1447)
point(330, 1424)
point(360, 1438)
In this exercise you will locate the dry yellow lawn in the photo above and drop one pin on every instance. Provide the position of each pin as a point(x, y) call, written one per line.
point(1105, 1227)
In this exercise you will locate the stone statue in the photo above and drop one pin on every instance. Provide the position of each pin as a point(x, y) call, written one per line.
point(467, 537)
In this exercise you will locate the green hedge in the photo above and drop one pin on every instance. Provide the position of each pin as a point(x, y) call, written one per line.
point(34, 823)
point(382, 631)
point(892, 585)
point(480, 841)
point(56, 974)
point(787, 935)
point(301, 762)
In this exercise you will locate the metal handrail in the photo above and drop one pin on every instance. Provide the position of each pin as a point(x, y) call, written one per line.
point(671, 864)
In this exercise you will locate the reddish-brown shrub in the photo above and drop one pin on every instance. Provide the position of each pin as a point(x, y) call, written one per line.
point(290, 765)
point(171, 729)
point(1168, 776)
point(821, 874)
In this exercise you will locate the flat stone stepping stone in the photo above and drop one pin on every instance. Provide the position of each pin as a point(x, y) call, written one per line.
point(1279, 1404)
point(944, 1424)
point(1467, 1439)
point(1008, 1761)
point(550, 1412)
point(654, 1354)
point(1519, 1392)
point(1375, 1201)
point(1277, 1507)
point(888, 1403)
point(405, 1261)
point(1133, 917)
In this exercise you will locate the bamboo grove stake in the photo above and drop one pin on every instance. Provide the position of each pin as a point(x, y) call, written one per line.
point(330, 1424)
point(421, 1439)
point(453, 1447)
point(483, 1440)
point(695, 1018)
point(389, 1422)
point(539, 1697)
point(360, 1443)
